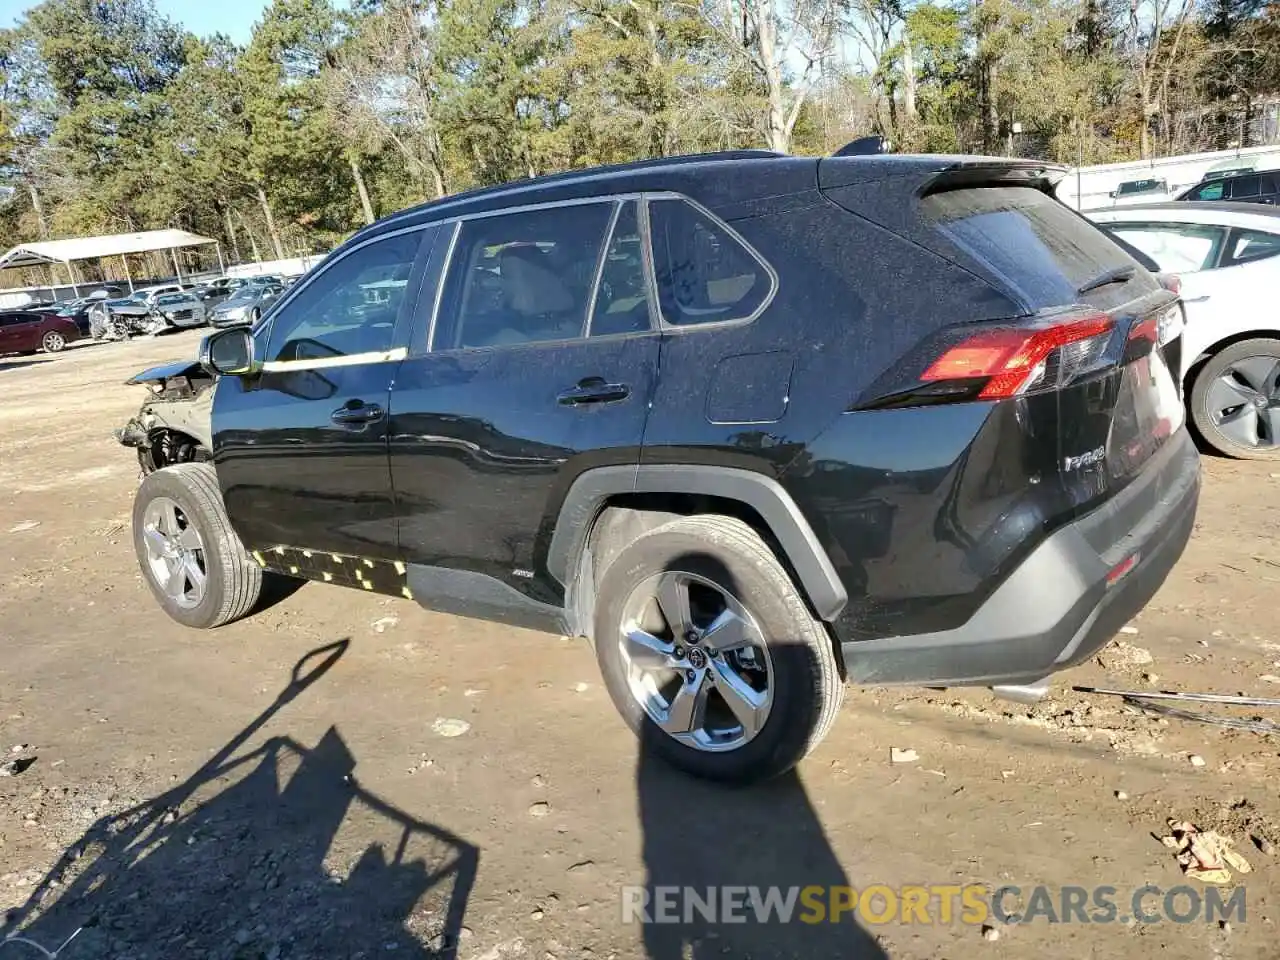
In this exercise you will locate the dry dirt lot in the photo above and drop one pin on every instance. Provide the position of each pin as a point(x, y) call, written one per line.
point(283, 787)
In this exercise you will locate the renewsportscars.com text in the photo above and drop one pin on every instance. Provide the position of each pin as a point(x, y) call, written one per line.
point(939, 904)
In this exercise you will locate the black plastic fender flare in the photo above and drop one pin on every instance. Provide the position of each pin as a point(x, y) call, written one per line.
point(588, 494)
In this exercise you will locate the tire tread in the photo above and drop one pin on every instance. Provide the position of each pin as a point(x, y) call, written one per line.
point(239, 576)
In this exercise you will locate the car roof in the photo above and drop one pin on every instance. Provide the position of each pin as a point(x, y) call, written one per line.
point(1238, 172)
point(730, 183)
point(1217, 212)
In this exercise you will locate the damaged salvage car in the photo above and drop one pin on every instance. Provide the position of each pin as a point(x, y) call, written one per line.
point(757, 426)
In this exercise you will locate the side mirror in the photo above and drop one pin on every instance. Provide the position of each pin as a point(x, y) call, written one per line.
point(229, 352)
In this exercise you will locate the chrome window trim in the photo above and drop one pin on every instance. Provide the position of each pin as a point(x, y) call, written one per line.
point(372, 356)
point(665, 325)
point(643, 199)
point(459, 221)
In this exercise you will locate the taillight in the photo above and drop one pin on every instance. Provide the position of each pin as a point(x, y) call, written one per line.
point(994, 361)
point(1015, 360)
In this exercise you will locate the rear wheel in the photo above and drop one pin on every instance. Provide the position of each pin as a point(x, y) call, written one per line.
point(1235, 400)
point(192, 560)
point(711, 655)
point(53, 342)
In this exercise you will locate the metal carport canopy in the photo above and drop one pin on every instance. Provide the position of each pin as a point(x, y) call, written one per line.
point(90, 248)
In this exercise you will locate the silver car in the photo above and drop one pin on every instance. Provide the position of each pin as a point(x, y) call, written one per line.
point(247, 304)
point(181, 309)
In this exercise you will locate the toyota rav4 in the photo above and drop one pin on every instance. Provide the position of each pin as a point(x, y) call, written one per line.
point(755, 425)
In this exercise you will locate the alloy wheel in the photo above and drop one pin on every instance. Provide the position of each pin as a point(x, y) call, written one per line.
point(1244, 402)
point(696, 661)
point(53, 341)
point(175, 552)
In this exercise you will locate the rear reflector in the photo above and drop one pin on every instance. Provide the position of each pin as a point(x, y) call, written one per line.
point(1121, 569)
point(1015, 359)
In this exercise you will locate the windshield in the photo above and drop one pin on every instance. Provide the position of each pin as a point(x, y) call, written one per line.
point(1139, 186)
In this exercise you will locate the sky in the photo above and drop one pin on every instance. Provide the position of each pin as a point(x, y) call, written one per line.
point(232, 17)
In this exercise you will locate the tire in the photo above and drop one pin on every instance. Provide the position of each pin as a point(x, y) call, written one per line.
point(53, 342)
point(232, 580)
point(1224, 384)
point(721, 553)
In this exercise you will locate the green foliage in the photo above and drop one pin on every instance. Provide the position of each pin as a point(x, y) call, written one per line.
point(112, 117)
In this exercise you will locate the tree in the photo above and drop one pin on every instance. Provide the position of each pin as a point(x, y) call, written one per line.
point(771, 34)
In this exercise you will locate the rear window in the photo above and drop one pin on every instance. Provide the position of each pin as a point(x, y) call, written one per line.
point(1131, 187)
point(1037, 248)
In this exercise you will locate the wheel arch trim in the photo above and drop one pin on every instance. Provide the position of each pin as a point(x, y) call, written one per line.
point(590, 492)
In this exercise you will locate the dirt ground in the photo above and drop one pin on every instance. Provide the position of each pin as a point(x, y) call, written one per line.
point(285, 787)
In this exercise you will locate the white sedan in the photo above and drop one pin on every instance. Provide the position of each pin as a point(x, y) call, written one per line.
point(1228, 258)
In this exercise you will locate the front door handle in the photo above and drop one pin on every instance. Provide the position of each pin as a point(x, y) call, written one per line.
point(356, 413)
point(594, 390)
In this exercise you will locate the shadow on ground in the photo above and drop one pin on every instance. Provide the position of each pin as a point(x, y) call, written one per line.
point(237, 862)
point(707, 843)
point(698, 835)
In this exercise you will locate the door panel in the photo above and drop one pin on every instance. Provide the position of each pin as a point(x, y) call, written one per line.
point(490, 428)
point(20, 332)
point(9, 334)
point(291, 475)
point(482, 447)
point(301, 449)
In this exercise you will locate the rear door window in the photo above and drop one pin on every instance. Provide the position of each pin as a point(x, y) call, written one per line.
point(622, 295)
point(1246, 187)
point(1177, 247)
point(1033, 244)
point(520, 278)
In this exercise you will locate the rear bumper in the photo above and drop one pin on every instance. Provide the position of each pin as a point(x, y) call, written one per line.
point(1056, 609)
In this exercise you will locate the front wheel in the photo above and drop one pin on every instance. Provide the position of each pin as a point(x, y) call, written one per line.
point(53, 342)
point(192, 560)
point(1235, 400)
point(710, 653)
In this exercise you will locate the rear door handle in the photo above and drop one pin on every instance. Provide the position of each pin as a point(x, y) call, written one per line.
point(594, 390)
point(357, 413)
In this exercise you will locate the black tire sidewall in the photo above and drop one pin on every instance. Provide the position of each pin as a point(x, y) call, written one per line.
point(794, 711)
point(163, 483)
point(1209, 371)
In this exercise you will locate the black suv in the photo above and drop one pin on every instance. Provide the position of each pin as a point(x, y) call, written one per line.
point(1249, 187)
point(755, 425)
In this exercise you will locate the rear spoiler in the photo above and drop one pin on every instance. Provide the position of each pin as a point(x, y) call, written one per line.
point(991, 173)
point(923, 174)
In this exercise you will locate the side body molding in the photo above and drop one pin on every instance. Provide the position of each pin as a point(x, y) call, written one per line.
point(763, 494)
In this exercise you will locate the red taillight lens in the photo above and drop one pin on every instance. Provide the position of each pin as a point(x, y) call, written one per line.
point(1015, 359)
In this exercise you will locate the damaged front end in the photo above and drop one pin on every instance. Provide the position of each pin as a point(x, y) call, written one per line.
point(175, 422)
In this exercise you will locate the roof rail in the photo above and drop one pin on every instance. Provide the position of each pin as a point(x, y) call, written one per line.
point(865, 147)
